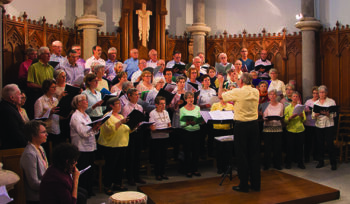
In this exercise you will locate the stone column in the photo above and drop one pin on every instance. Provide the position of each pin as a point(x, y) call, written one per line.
point(198, 29)
point(308, 26)
point(89, 23)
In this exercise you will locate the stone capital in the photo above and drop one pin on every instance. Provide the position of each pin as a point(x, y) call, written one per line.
point(308, 23)
point(88, 22)
point(198, 29)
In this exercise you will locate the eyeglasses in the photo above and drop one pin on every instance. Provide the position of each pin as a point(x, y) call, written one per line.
point(148, 76)
point(52, 87)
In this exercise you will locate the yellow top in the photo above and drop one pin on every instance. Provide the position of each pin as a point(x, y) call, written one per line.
point(112, 137)
point(102, 84)
point(219, 106)
point(246, 102)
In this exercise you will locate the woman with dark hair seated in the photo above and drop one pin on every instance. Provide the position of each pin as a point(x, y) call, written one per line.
point(33, 160)
point(60, 182)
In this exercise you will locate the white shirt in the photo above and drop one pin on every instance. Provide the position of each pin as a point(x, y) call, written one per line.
point(135, 76)
point(279, 86)
point(161, 120)
point(152, 64)
point(93, 59)
point(92, 99)
point(41, 106)
point(204, 97)
point(171, 63)
point(323, 121)
point(82, 135)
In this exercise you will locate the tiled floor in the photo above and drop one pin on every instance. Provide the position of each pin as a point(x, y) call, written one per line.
point(339, 179)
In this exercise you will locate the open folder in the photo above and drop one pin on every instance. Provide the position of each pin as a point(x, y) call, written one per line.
point(217, 117)
point(102, 120)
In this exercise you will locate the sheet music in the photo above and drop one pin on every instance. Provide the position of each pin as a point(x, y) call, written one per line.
point(82, 171)
point(298, 109)
point(205, 115)
point(79, 80)
point(101, 119)
point(225, 138)
point(221, 115)
point(45, 116)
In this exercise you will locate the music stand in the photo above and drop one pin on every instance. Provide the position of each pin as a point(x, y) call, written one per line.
point(230, 166)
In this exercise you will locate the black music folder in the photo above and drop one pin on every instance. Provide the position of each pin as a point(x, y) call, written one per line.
point(331, 109)
point(167, 95)
point(135, 117)
point(64, 104)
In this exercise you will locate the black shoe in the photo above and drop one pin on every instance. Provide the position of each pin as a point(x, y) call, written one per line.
point(197, 174)
point(189, 175)
point(301, 166)
point(165, 177)
point(288, 166)
point(320, 165)
point(334, 167)
point(158, 178)
point(239, 189)
point(141, 181)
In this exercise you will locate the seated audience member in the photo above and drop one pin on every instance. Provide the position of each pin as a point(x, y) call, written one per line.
point(122, 77)
point(277, 84)
point(74, 70)
point(96, 57)
point(223, 67)
point(60, 181)
point(83, 137)
point(56, 55)
point(11, 122)
point(21, 110)
point(159, 141)
point(113, 142)
point(176, 60)
point(60, 77)
point(325, 128)
point(272, 132)
point(287, 99)
point(159, 69)
point(31, 54)
point(33, 160)
point(191, 135)
point(310, 127)
point(136, 75)
point(80, 61)
point(145, 83)
point(214, 84)
point(118, 67)
point(295, 133)
point(48, 103)
point(111, 63)
point(135, 141)
point(153, 59)
point(263, 65)
point(223, 150)
point(192, 74)
point(132, 64)
point(99, 71)
point(94, 109)
point(247, 64)
point(158, 83)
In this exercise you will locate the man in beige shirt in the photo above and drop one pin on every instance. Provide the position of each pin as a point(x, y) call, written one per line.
point(246, 131)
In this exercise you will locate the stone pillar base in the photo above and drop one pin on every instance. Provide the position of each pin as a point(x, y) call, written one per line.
point(198, 32)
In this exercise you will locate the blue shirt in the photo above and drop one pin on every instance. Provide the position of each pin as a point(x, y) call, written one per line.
point(248, 63)
point(132, 66)
point(75, 73)
point(110, 67)
point(60, 59)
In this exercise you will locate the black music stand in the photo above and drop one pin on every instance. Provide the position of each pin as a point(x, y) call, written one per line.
point(229, 168)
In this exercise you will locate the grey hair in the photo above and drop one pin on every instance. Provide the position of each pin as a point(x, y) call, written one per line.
point(290, 85)
point(76, 100)
point(57, 73)
point(54, 43)
point(96, 66)
point(130, 91)
point(42, 49)
point(196, 58)
point(222, 54)
point(156, 80)
point(273, 91)
point(187, 94)
point(30, 51)
point(273, 70)
point(112, 49)
point(246, 78)
point(323, 87)
point(126, 84)
point(8, 91)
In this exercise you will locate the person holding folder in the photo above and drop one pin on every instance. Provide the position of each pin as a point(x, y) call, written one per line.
point(192, 84)
point(324, 128)
point(295, 132)
point(93, 96)
point(191, 135)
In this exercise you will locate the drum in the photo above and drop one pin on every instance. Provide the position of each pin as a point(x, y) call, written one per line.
point(128, 197)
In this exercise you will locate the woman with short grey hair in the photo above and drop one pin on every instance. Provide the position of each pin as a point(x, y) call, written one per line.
point(276, 84)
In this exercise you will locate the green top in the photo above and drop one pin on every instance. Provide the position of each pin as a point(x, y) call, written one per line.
point(195, 113)
point(294, 125)
point(38, 72)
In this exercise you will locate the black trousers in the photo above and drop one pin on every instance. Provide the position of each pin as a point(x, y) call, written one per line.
point(133, 152)
point(86, 179)
point(159, 147)
point(295, 143)
point(326, 135)
point(223, 150)
point(310, 143)
point(191, 146)
point(247, 148)
point(272, 145)
point(114, 164)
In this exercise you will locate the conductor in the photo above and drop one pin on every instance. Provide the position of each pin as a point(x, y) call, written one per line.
point(246, 131)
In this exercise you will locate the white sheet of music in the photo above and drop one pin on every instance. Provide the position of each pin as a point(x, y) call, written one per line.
point(298, 109)
point(205, 115)
point(225, 138)
point(221, 115)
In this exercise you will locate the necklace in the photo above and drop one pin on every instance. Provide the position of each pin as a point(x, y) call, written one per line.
point(162, 119)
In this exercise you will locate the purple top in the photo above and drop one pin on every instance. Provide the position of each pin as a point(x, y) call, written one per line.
point(56, 187)
point(309, 121)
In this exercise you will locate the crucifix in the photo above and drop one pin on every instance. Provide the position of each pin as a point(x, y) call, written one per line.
point(143, 24)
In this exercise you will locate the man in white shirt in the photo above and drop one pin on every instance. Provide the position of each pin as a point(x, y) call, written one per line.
point(136, 75)
point(153, 56)
point(96, 57)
